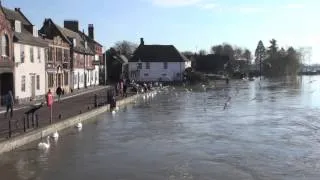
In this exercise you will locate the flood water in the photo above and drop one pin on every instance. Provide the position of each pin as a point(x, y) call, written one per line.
point(268, 130)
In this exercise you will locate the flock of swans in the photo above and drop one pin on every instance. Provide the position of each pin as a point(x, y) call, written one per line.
point(45, 145)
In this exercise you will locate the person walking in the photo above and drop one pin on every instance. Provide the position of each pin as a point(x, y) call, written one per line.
point(9, 103)
point(59, 93)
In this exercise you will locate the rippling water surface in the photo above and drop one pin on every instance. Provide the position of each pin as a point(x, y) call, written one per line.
point(268, 130)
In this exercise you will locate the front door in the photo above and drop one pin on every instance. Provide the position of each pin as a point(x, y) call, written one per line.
point(33, 86)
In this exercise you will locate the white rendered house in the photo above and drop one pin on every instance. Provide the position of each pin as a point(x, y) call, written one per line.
point(29, 58)
point(157, 63)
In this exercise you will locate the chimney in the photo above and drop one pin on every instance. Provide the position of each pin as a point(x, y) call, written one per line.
point(91, 31)
point(17, 9)
point(141, 41)
point(72, 25)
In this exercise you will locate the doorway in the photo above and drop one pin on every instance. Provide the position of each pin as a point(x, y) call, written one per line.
point(6, 85)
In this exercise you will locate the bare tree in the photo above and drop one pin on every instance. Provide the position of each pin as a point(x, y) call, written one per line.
point(125, 47)
point(202, 52)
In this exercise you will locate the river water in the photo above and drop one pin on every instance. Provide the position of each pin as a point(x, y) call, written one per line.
point(268, 130)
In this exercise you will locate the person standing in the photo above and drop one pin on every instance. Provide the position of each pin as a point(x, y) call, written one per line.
point(9, 104)
point(59, 93)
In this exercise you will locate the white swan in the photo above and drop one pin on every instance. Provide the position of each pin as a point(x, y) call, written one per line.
point(79, 125)
point(55, 135)
point(113, 112)
point(43, 145)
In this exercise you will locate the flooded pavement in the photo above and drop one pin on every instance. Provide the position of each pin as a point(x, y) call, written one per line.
point(267, 130)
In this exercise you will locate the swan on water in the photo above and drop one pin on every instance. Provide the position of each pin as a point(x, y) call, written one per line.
point(113, 112)
point(55, 135)
point(44, 145)
point(79, 125)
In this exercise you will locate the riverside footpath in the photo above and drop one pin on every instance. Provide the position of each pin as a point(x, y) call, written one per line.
point(69, 106)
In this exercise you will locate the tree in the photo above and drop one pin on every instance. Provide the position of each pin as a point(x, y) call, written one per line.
point(125, 47)
point(202, 52)
point(218, 49)
point(238, 53)
point(260, 55)
point(187, 54)
point(273, 48)
point(247, 55)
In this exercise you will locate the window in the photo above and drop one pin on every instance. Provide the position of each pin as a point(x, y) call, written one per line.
point(165, 65)
point(59, 54)
point(23, 83)
point(66, 78)
point(146, 74)
point(17, 26)
point(66, 55)
point(50, 54)
point(38, 82)
point(139, 66)
point(46, 54)
point(5, 45)
point(39, 54)
point(147, 65)
point(22, 53)
point(31, 55)
point(50, 80)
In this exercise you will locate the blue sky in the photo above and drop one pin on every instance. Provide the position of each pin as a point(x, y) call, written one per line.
point(188, 24)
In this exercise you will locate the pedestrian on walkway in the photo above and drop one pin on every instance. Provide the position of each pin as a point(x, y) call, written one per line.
point(59, 93)
point(9, 103)
point(121, 88)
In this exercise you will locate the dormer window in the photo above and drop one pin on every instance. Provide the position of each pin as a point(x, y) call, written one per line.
point(35, 31)
point(74, 42)
point(17, 26)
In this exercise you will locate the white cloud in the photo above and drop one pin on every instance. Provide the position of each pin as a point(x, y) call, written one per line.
point(209, 6)
point(175, 3)
point(249, 9)
point(295, 6)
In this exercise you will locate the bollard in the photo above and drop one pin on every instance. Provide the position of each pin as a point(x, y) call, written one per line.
point(24, 124)
point(80, 112)
point(95, 100)
point(32, 120)
point(88, 107)
point(60, 116)
point(28, 121)
point(10, 128)
point(37, 120)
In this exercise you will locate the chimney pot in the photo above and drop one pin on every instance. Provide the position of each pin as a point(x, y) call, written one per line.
point(17, 9)
point(91, 31)
point(141, 41)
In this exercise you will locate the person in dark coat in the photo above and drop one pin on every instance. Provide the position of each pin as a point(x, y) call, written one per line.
point(9, 104)
point(59, 93)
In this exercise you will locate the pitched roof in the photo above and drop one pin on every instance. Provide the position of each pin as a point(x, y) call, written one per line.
point(16, 15)
point(80, 41)
point(25, 36)
point(157, 53)
point(89, 39)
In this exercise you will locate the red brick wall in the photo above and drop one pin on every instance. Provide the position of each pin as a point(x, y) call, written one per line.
point(5, 28)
